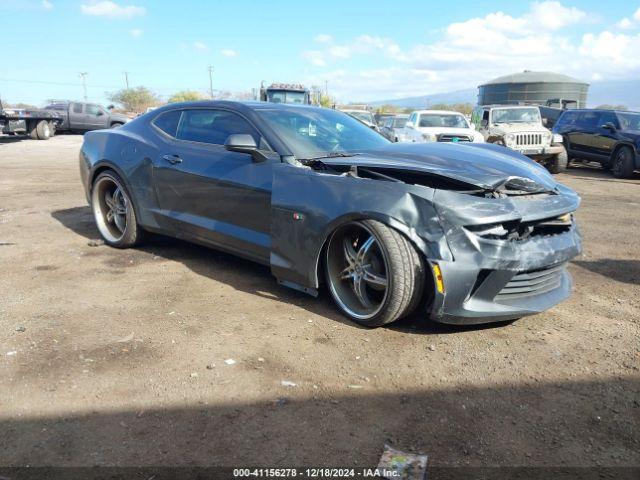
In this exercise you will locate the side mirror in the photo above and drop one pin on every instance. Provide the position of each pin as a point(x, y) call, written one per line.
point(100, 113)
point(244, 143)
point(111, 107)
point(609, 126)
point(409, 125)
point(484, 123)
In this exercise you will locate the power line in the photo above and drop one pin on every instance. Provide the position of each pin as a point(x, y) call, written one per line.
point(126, 79)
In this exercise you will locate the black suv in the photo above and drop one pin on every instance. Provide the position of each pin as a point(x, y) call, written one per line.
point(610, 137)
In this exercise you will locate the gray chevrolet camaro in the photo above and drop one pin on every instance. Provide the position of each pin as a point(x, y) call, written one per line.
point(466, 233)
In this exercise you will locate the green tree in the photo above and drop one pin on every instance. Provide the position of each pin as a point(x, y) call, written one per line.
point(464, 108)
point(134, 99)
point(326, 101)
point(185, 96)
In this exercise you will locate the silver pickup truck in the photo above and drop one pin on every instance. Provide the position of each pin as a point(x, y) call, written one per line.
point(80, 116)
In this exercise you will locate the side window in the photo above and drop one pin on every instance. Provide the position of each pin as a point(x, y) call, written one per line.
point(485, 116)
point(213, 126)
point(608, 117)
point(567, 119)
point(412, 119)
point(589, 120)
point(92, 109)
point(77, 108)
point(168, 122)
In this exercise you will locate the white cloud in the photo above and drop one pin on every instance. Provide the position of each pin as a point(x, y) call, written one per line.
point(47, 5)
point(229, 53)
point(469, 52)
point(136, 32)
point(109, 9)
point(200, 46)
point(625, 24)
point(315, 58)
point(323, 38)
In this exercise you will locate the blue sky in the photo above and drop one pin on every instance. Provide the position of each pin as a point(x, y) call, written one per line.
point(365, 50)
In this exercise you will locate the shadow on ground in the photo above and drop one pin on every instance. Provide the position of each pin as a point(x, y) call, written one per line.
point(556, 424)
point(593, 171)
point(625, 271)
point(246, 276)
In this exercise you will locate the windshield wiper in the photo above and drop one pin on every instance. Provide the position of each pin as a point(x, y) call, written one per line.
point(328, 155)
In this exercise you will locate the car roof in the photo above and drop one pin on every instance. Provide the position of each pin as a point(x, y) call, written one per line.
point(598, 110)
point(240, 106)
point(445, 112)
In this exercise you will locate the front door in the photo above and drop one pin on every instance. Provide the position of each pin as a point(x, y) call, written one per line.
point(96, 117)
point(605, 139)
point(210, 194)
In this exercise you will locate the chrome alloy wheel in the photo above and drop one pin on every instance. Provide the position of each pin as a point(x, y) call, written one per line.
point(110, 208)
point(357, 270)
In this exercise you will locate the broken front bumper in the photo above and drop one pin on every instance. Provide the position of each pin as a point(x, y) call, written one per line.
point(493, 280)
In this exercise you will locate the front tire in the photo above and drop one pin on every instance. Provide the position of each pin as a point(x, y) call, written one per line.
point(374, 273)
point(558, 163)
point(113, 211)
point(622, 164)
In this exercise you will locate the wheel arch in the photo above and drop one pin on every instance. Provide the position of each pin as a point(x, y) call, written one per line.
point(622, 145)
point(106, 165)
point(417, 242)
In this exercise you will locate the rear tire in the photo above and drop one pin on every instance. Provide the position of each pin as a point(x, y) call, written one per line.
point(623, 163)
point(558, 163)
point(43, 131)
point(116, 125)
point(114, 212)
point(374, 273)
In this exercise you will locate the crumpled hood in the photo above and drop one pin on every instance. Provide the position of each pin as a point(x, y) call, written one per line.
point(483, 165)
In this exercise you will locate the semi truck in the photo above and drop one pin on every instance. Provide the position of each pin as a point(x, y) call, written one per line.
point(38, 124)
point(285, 93)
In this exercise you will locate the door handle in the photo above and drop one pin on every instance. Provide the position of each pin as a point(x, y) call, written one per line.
point(172, 159)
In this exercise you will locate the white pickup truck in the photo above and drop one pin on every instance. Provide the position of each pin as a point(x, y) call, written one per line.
point(439, 126)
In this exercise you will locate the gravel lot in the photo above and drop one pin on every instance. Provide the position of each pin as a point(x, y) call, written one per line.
point(126, 357)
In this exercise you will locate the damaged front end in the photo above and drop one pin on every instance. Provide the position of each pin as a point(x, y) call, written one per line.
point(496, 247)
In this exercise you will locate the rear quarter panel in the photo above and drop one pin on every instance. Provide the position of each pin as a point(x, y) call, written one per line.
point(131, 156)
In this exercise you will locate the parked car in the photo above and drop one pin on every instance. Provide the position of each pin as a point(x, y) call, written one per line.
point(520, 128)
point(473, 233)
point(365, 116)
point(81, 116)
point(393, 128)
point(38, 124)
point(439, 126)
point(609, 137)
point(381, 118)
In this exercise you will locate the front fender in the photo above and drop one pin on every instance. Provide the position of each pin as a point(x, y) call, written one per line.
point(307, 206)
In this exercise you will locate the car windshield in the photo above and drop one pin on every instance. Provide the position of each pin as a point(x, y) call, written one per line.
point(399, 122)
point(629, 121)
point(364, 116)
point(442, 120)
point(318, 132)
point(285, 96)
point(515, 115)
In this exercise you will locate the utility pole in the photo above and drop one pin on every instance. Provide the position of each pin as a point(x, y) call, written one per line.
point(210, 68)
point(326, 88)
point(83, 76)
point(126, 79)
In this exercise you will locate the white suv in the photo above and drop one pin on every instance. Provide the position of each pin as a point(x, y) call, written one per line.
point(439, 126)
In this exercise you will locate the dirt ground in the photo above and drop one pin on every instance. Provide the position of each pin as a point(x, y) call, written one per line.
point(173, 354)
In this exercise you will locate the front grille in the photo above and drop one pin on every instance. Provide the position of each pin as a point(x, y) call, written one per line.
point(529, 139)
point(448, 137)
point(532, 282)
